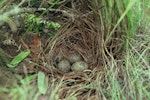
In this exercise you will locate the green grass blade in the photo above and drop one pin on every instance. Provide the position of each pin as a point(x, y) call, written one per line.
point(20, 57)
point(129, 6)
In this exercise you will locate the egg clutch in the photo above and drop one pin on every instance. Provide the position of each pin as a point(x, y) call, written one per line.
point(73, 62)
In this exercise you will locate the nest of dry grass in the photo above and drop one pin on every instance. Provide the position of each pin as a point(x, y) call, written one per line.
point(80, 34)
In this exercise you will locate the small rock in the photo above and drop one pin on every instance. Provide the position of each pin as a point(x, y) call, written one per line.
point(79, 66)
point(64, 65)
point(74, 57)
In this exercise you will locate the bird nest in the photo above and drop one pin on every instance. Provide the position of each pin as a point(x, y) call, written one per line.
point(79, 36)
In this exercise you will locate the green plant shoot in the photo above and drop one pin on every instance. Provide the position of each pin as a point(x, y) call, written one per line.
point(18, 58)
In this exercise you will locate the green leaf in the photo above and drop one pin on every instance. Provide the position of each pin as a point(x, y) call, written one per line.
point(18, 58)
point(42, 82)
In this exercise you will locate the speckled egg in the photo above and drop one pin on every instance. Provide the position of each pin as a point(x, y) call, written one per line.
point(64, 65)
point(74, 57)
point(79, 66)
